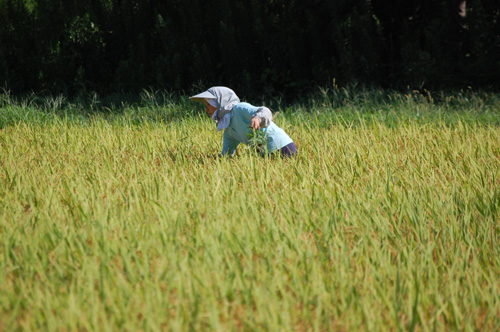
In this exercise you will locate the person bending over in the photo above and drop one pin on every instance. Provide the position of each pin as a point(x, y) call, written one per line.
point(241, 121)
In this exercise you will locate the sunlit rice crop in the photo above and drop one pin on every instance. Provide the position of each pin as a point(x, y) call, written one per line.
point(382, 222)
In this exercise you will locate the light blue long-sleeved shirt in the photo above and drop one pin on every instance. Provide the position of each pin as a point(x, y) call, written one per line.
point(239, 129)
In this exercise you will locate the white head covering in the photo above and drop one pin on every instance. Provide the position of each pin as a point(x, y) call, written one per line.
point(225, 99)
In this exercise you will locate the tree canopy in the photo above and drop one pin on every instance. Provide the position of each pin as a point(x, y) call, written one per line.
point(107, 46)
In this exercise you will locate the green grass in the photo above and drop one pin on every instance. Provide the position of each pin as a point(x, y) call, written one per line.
point(122, 217)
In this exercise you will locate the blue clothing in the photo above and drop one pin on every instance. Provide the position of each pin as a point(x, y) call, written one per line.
point(239, 129)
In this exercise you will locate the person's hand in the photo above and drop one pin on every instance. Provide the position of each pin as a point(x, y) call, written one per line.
point(255, 124)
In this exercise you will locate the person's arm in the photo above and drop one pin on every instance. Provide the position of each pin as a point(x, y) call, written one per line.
point(258, 116)
point(229, 145)
point(264, 115)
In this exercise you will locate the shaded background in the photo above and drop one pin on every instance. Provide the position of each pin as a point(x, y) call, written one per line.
point(256, 46)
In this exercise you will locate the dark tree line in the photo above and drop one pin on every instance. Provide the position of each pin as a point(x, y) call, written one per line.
point(72, 46)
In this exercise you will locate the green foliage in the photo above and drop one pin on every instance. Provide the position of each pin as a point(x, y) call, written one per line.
point(254, 46)
point(258, 141)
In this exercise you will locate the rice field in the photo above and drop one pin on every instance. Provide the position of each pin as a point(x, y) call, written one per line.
point(125, 218)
